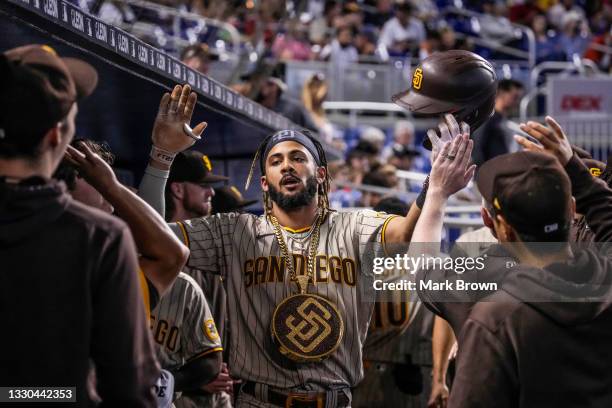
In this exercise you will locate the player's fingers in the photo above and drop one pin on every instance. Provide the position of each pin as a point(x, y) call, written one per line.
point(75, 154)
point(527, 144)
point(469, 173)
point(465, 128)
point(164, 104)
point(199, 129)
point(453, 126)
point(536, 134)
point(545, 131)
point(89, 154)
point(433, 137)
point(443, 153)
point(445, 135)
point(70, 159)
point(466, 155)
point(555, 126)
point(456, 147)
point(174, 99)
point(190, 106)
point(185, 93)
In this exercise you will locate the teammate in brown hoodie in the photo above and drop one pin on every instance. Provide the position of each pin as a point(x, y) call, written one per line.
point(543, 339)
point(69, 289)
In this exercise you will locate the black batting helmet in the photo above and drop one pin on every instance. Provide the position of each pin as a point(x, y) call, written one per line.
point(456, 81)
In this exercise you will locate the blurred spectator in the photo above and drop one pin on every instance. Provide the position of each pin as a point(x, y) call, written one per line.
point(403, 32)
point(382, 14)
point(271, 96)
point(322, 26)
point(426, 10)
point(314, 93)
point(403, 156)
point(198, 57)
point(292, 45)
point(389, 171)
point(557, 13)
point(340, 196)
point(403, 134)
point(600, 58)
point(494, 137)
point(374, 179)
point(524, 12)
point(365, 42)
point(449, 41)
point(392, 205)
point(341, 51)
point(358, 161)
point(373, 136)
point(495, 25)
point(547, 44)
point(575, 37)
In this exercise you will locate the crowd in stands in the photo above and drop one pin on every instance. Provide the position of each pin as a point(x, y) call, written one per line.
point(374, 30)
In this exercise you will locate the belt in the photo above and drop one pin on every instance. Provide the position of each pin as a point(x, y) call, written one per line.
point(295, 399)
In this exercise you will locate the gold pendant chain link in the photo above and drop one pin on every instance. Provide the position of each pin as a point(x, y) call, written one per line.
point(302, 281)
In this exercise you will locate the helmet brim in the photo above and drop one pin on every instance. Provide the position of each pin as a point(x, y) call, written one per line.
point(421, 104)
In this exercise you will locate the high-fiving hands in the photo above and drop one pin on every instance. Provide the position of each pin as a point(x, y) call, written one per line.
point(449, 129)
point(552, 138)
point(451, 156)
point(171, 131)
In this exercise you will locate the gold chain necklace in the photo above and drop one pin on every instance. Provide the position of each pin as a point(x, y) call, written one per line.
point(301, 280)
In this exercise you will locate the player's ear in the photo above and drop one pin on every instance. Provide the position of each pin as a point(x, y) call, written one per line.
point(264, 183)
point(321, 174)
point(178, 190)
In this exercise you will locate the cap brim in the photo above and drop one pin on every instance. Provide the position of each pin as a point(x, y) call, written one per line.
point(247, 203)
point(213, 178)
point(85, 76)
point(417, 103)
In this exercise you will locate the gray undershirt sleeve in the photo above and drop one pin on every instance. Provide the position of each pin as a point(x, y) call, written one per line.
point(152, 188)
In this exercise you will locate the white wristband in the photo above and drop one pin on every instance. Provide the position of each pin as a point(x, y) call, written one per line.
point(162, 156)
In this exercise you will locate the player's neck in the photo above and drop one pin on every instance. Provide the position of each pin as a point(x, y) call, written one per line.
point(296, 219)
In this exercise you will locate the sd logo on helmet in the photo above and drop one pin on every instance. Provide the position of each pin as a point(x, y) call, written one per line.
point(456, 81)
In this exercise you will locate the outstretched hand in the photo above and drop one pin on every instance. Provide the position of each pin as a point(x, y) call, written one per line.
point(451, 170)
point(552, 138)
point(449, 130)
point(92, 167)
point(171, 131)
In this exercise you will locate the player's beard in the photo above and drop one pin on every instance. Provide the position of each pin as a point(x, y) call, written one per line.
point(294, 201)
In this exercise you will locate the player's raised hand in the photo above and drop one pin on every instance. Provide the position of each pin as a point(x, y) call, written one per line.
point(449, 129)
point(171, 130)
point(552, 138)
point(452, 171)
point(92, 167)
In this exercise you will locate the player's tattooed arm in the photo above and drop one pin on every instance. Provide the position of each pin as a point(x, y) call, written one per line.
point(198, 372)
point(161, 258)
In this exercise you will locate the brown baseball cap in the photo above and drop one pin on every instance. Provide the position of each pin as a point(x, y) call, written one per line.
point(194, 167)
point(229, 199)
point(38, 90)
point(531, 191)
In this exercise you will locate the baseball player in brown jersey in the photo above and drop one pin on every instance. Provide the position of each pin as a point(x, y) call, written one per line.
point(295, 278)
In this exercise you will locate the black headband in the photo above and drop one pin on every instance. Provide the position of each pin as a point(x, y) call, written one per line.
point(289, 136)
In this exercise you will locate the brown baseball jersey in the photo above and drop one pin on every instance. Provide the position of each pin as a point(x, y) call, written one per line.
point(244, 250)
